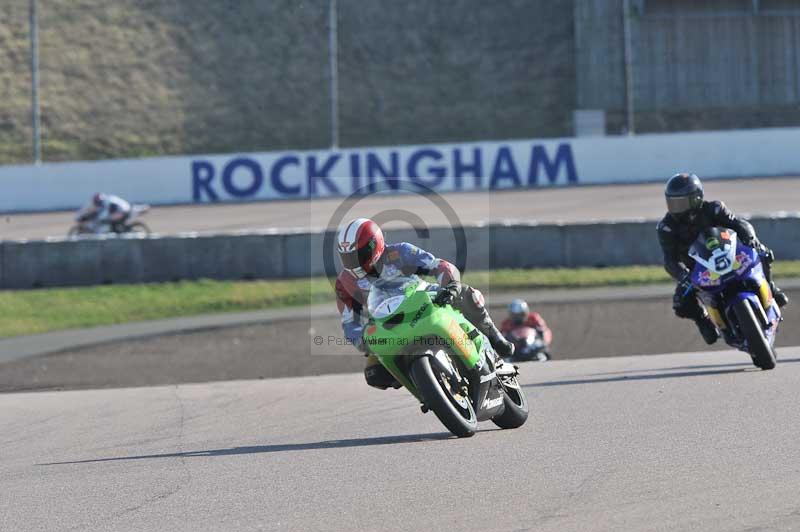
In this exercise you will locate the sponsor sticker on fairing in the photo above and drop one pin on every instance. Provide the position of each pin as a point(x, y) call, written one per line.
point(708, 279)
point(743, 259)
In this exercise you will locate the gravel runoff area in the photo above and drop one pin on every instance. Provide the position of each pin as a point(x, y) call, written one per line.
point(611, 327)
point(545, 205)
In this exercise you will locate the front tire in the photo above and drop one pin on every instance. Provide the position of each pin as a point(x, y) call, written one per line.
point(455, 412)
point(516, 412)
point(138, 228)
point(762, 353)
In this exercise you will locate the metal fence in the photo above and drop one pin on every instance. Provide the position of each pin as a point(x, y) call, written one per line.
point(129, 78)
point(700, 58)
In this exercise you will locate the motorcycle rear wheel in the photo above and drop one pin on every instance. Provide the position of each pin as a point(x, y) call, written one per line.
point(516, 412)
point(457, 414)
point(763, 354)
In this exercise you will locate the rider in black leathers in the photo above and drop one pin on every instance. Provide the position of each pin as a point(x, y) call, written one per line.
point(688, 214)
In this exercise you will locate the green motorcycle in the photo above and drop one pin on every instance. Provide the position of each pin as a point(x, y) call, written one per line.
point(441, 358)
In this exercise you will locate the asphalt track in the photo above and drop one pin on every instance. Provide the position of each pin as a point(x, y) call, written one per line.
point(676, 442)
point(548, 205)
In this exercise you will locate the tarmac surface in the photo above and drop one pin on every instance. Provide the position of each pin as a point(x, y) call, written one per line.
point(699, 441)
point(547, 205)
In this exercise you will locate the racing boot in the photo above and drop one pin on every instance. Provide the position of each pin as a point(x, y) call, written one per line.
point(708, 329)
point(501, 346)
point(768, 258)
point(780, 296)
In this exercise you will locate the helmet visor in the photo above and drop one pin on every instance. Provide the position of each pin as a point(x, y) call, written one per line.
point(350, 260)
point(681, 204)
point(359, 258)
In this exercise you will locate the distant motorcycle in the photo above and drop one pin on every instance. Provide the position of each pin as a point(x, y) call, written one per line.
point(530, 344)
point(729, 277)
point(89, 225)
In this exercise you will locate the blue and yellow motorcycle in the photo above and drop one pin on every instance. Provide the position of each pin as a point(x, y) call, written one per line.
point(729, 277)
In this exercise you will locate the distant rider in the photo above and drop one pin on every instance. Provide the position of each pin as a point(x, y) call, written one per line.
point(519, 315)
point(108, 212)
point(365, 256)
point(688, 215)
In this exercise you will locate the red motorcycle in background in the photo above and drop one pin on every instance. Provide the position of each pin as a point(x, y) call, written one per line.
point(528, 332)
point(530, 343)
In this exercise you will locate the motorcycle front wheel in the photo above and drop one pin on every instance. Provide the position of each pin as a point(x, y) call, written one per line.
point(763, 354)
point(137, 228)
point(451, 406)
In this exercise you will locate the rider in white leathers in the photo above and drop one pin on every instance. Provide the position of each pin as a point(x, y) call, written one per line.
point(107, 212)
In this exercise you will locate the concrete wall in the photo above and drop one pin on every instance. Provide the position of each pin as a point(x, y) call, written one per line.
point(488, 165)
point(292, 255)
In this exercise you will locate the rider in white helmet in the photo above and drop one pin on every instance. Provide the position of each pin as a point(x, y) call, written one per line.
point(519, 314)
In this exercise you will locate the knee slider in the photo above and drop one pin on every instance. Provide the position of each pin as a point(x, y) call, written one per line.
point(476, 297)
point(378, 376)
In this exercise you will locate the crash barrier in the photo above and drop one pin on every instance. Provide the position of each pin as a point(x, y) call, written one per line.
point(274, 255)
point(486, 165)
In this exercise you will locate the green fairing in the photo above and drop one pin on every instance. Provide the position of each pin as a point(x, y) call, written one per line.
point(424, 326)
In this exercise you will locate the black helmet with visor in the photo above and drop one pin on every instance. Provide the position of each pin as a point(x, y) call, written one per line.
point(684, 194)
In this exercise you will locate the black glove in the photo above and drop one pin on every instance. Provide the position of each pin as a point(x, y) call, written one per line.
point(754, 243)
point(768, 255)
point(447, 294)
point(685, 286)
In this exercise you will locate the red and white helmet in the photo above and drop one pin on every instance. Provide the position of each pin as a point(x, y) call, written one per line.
point(360, 245)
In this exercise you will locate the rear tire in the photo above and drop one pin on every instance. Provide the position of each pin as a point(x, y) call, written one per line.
point(762, 353)
point(516, 412)
point(138, 228)
point(460, 420)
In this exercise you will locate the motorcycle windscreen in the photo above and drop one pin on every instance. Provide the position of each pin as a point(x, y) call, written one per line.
point(709, 242)
point(386, 295)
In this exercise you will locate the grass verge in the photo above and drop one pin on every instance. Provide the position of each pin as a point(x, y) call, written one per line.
point(38, 311)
